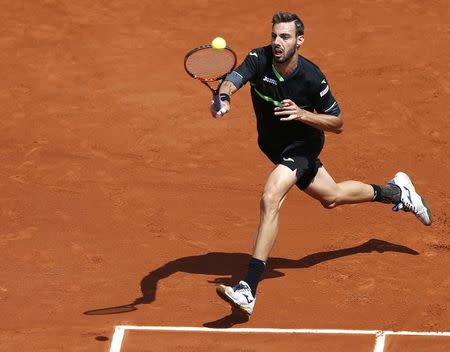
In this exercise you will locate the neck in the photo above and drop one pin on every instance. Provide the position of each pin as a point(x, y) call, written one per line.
point(286, 68)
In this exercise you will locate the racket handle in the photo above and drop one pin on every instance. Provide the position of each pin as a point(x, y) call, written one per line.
point(216, 100)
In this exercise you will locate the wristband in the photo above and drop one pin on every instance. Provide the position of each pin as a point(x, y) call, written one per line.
point(224, 97)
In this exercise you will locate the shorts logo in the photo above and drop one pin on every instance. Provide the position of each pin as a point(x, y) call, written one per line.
point(288, 159)
point(270, 80)
point(325, 91)
point(253, 54)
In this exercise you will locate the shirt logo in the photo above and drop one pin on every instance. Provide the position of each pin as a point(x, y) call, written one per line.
point(288, 159)
point(253, 54)
point(270, 80)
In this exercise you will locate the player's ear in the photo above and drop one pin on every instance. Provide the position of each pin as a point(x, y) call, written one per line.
point(300, 40)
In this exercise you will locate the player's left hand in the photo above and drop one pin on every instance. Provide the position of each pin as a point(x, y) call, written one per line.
point(289, 111)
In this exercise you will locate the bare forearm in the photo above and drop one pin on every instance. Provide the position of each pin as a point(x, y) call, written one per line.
point(289, 111)
point(323, 122)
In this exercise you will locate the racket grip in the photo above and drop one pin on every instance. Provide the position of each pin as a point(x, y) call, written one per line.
point(216, 102)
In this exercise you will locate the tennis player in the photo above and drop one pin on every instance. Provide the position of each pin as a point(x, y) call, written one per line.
point(294, 105)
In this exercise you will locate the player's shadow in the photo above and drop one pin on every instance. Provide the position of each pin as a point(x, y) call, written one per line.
point(229, 268)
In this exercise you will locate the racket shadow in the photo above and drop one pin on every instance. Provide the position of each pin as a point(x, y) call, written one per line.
point(112, 310)
point(229, 268)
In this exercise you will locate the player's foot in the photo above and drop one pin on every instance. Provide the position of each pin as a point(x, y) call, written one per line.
point(239, 296)
point(410, 199)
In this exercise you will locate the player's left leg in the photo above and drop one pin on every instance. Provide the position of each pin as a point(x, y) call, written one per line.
point(410, 199)
point(331, 194)
point(399, 191)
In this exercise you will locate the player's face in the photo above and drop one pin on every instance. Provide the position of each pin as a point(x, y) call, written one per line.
point(284, 41)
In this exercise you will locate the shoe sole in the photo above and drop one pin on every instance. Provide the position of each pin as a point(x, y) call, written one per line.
point(430, 216)
point(221, 291)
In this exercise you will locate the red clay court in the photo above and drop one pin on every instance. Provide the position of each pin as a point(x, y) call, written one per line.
point(120, 194)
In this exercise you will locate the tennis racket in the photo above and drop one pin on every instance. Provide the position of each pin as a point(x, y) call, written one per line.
point(210, 66)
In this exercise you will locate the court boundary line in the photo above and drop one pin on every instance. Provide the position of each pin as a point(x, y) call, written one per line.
point(380, 335)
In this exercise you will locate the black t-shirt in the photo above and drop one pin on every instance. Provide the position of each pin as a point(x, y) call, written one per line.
point(306, 86)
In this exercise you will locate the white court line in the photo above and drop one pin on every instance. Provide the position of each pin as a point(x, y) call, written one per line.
point(379, 341)
point(116, 342)
point(380, 335)
point(250, 330)
point(418, 333)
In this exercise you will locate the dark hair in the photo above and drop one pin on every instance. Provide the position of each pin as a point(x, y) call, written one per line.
point(289, 17)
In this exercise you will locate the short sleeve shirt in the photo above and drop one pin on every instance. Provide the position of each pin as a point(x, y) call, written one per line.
point(307, 86)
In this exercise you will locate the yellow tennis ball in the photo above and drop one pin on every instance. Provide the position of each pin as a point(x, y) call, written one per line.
point(219, 43)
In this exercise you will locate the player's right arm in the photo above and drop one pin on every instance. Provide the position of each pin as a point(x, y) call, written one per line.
point(225, 92)
point(235, 80)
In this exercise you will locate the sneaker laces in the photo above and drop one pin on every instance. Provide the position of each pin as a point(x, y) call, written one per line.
point(414, 209)
point(410, 206)
point(406, 206)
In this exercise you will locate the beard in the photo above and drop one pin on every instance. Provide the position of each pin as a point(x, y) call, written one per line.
point(288, 55)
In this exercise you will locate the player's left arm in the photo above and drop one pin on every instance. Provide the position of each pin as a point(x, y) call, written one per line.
point(289, 111)
point(328, 114)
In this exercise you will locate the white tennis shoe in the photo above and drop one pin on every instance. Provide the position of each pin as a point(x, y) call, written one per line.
point(239, 296)
point(410, 200)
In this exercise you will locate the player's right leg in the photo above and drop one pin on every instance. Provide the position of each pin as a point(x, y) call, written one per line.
point(243, 295)
point(278, 184)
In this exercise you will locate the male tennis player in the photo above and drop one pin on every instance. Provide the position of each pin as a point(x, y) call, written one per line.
point(293, 105)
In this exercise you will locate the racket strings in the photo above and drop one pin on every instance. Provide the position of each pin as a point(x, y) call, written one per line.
point(210, 64)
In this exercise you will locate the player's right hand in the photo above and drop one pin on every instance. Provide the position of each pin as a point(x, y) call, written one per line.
point(224, 108)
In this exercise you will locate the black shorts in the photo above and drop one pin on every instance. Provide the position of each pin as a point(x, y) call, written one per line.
point(302, 156)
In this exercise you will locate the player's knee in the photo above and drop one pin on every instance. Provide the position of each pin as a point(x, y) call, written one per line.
point(328, 203)
point(269, 201)
point(332, 199)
